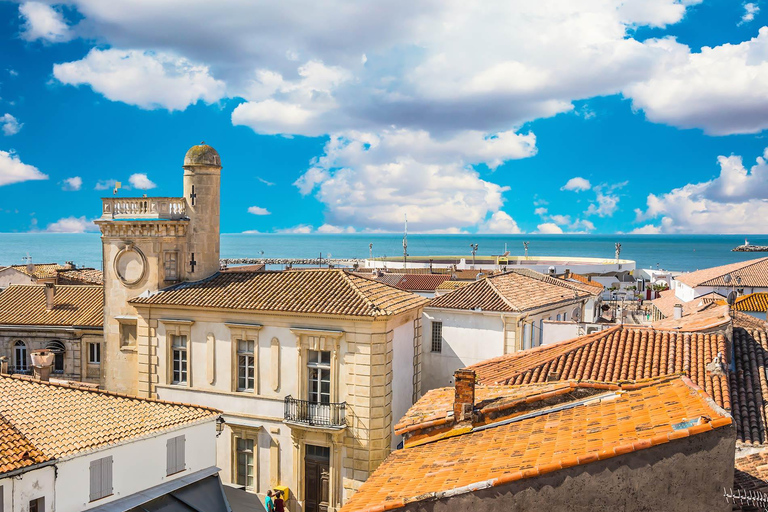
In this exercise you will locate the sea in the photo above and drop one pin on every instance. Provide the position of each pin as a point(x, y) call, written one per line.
point(670, 252)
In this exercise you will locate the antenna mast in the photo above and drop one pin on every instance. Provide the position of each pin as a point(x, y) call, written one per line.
point(405, 243)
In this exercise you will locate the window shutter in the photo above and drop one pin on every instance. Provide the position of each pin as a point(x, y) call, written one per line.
point(106, 476)
point(95, 479)
point(2, 499)
point(180, 453)
point(170, 464)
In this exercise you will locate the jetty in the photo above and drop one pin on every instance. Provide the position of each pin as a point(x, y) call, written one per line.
point(747, 247)
point(345, 262)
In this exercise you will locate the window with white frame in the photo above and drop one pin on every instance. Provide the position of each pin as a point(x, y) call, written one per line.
point(94, 353)
point(319, 363)
point(245, 365)
point(101, 478)
point(244, 462)
point(178, 359)
point(175, 455)
point(20, 357)
point(437, 336)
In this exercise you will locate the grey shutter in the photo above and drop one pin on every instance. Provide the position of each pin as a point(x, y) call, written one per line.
point(180, 453)
point(95, 479)
point(106, 476)
point(170, 459)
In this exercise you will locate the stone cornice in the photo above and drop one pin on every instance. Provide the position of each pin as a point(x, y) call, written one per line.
point(142, 228)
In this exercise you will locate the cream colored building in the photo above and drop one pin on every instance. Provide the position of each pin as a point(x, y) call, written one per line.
point(312, 368)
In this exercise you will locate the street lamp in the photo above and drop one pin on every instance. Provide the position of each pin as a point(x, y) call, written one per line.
point(474, 250)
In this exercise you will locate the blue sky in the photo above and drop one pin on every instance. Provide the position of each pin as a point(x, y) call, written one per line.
point(591, 116)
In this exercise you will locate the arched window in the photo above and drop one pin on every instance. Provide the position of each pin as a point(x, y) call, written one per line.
point(20, 357)
point(59, 350)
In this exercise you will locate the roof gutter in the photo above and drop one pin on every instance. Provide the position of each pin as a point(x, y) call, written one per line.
point(25, 469)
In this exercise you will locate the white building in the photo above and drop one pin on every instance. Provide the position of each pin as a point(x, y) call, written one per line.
point(744, 278)
point(497, 315)
point(70, 449)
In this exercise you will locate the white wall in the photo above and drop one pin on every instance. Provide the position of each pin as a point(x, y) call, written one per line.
point(468, 337)
point(9, 276)
point(559, 331)
point(20, 489)
point(137, 466)
point(402, 374)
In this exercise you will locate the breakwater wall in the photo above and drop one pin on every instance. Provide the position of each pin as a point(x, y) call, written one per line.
point(750, 248)
point(348, 262)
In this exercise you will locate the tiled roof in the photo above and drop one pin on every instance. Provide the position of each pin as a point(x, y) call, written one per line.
point(255, 267)
point(80, 305)
point(324, 292)
point(41, 270)
point(422, 282)
point(452, 285)
point(667, 300)
point(585, 280)
point(80, 276)
point(753, 273)
point(16, 451)
point(515, 291)
point(59, 420)
point(748, 322)
point(615, 354)
point(752, 472)
point(710, 317)
point(642, 416)
point(753, 302)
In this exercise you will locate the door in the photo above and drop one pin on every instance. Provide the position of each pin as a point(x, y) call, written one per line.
point(317, 478)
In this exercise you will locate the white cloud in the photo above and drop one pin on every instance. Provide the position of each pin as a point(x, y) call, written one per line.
point(301, 229)
point(11, 125)
point(42, 21)
point(13, 170)
point(501, 223)
point(750, 10)
point(265, 182)
point(327, 228)
point(723, 90)
point(648, 229)
point(541, 211)
point(72, 184)
point(607, 201)
point(734, 202)
point(372, 181)
point(549, 228)
point(258, 210)
point(561, 220)
point(146, 79)
point(577, 184)
point(105, 185)
point(582, 225)
point(140, 181)
point(71, 225)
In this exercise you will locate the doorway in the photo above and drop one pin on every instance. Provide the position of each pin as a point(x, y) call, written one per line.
point(317, 463)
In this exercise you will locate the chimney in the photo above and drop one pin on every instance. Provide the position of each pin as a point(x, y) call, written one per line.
point(50, 293)
point(69, 265)
point(678, 311)
point(464, 401)
point(4, 365)
point(42, 364)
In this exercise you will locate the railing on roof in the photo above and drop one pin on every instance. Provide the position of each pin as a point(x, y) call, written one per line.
point(332, 415)
point(143, 208)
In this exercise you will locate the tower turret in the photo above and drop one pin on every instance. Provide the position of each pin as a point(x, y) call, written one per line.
point(202, 181)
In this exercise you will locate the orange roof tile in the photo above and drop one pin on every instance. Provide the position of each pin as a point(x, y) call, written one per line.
point(753, 302)
point(318, 291)
point(585, 280)
point(667, 300)
point(74, 305)
point(452, 285)
point(751, 472)
point(80, 276)
point(422, 282)
point(636, 417)
point(753, 273)
point(16, 451)
point(712, 317)
point(41, 270)
point(514, 291)
point(59, 420)
point(615, 354)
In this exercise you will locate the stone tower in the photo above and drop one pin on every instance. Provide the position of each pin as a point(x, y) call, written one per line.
point(149, 243)
point(202, 181)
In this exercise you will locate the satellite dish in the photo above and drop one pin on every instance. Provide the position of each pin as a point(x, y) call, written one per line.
point(727, 278)
point(731, 298)
point(576, 314)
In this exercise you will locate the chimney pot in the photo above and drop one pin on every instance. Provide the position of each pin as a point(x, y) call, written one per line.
point(678, 311)
point(464, 401)
point(4, 365)
point(50, 293)
point(42, 364)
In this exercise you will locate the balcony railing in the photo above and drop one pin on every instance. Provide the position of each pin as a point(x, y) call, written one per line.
point(143, 208)
point(331, 415)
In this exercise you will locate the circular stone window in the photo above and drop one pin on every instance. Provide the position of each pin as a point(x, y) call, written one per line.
point(130, 265)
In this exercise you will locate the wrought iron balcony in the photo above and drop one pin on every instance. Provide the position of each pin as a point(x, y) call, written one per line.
point(304, 412)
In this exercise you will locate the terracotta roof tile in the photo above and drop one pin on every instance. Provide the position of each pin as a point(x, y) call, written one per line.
point(328, 292)
point(41, 270)
point(80, 305)
point(666, 301)
point(753, 273)
point(16, 451)
point(633, 419)
point(753, 302)
point(711, 316)
point(59, 420)
point(422, 282)
point(514, 291)
point(80, 276)
point(452, 285)
point(751, 472)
